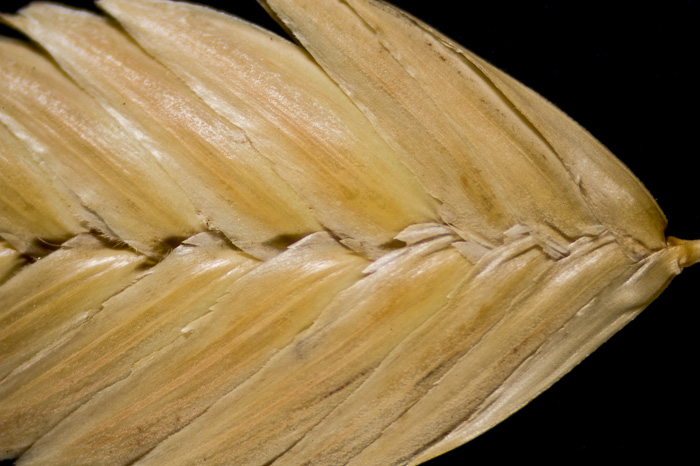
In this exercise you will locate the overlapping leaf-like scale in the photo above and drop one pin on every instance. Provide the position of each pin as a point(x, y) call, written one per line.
point(391, 245)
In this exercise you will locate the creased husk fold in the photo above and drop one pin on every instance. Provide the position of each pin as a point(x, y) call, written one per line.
point(221, 247)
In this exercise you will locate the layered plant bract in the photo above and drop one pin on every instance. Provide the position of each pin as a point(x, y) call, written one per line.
point(222, 247)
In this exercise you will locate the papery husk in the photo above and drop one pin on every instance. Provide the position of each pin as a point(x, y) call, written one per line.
point(391, 244)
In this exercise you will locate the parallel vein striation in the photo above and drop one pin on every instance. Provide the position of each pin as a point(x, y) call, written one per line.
point(121, 190)
point(219, 247)
point(211, 159)
point(266, 85)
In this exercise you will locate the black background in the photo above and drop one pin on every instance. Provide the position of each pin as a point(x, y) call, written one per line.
point(626, 73)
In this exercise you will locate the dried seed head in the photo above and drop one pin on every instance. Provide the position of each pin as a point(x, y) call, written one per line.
point(391, 244)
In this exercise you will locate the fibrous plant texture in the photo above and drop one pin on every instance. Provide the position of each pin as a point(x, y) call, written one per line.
point(220, 247)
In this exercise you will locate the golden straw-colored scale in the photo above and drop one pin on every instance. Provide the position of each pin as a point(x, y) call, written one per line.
point(368, 252)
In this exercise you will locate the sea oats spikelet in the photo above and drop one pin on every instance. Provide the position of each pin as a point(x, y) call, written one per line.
point(221, 247)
